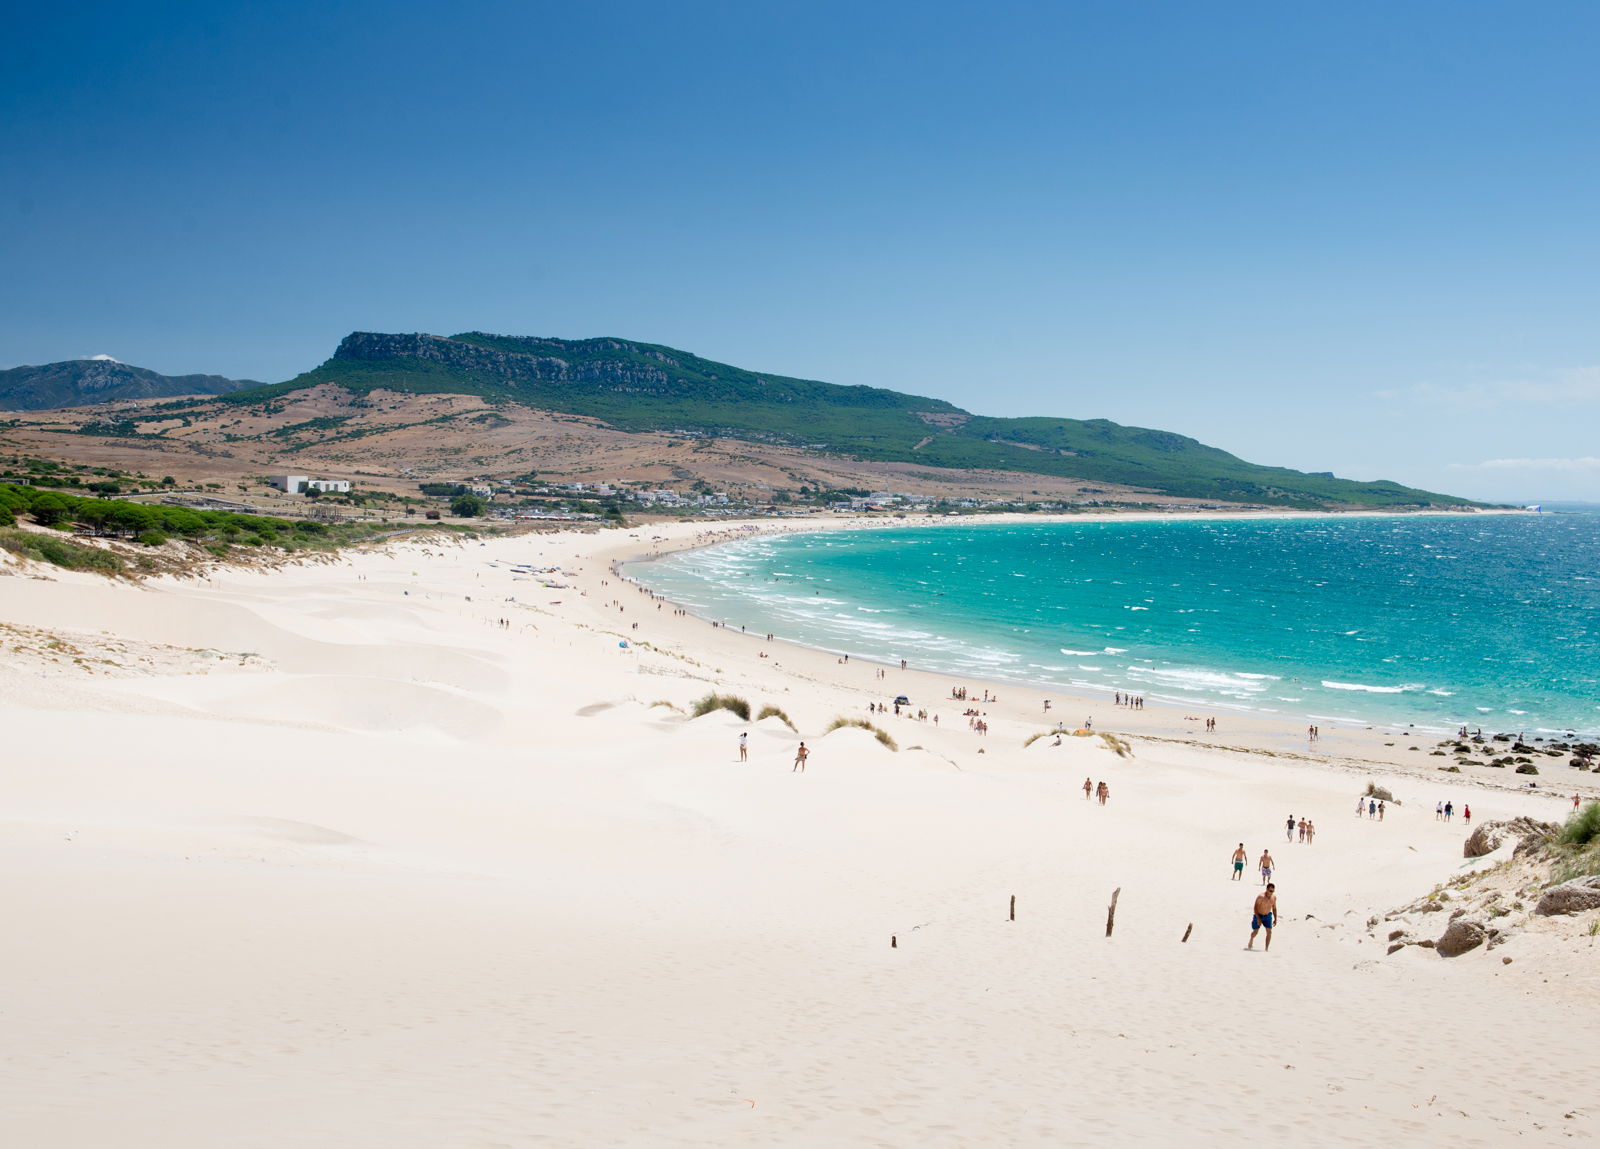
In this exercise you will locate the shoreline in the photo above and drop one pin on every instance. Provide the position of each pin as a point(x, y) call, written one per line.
point(1343, 743)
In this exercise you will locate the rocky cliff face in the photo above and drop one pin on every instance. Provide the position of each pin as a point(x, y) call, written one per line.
point(535, 364)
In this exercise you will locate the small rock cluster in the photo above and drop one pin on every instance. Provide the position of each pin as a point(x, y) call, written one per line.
point(1518, 755)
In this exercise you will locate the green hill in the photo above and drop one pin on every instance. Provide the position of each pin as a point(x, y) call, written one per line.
point(644, 387)
point(81, 382)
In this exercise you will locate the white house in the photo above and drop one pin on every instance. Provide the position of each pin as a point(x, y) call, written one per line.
point(300, 484)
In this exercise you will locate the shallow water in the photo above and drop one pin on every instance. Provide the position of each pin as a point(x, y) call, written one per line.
point(1437, 620)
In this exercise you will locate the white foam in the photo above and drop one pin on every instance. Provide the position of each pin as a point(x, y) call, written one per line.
point(1365, 687)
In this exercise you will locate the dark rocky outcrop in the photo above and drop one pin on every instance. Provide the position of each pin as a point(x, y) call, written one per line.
point(1461, 936)
point(1574, 897)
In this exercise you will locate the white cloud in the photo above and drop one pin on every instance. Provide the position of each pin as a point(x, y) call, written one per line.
point(1583, 464)
point(106, 358)
point(1567, 385)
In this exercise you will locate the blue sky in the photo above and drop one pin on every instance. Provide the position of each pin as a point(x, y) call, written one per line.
point(1358, 238)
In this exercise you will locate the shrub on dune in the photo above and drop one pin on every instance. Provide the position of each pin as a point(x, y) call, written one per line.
point(715, 701)
point(878, 733)
point(774, 712)
point(1582, 828)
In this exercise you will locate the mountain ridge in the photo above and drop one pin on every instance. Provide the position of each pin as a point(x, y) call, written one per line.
point(85, 382)
point(640, 387)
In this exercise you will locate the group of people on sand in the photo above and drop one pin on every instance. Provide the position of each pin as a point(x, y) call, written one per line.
point(1373, 807)
point(1265, 864)
point(1133, 702)
point(1446, 811)
point(1264, 911)
point(1306, 828)
point(1100, 792)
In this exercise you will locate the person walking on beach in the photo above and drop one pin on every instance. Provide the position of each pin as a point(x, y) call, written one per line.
point(1266, 864)
point(1302, 828)
point(1438, 811)
point(1311, 831)
point(1262, 916)
point(1372, 808)
point(744, 750)
point(1381, 809)
point(1466, 814)
point(1449, 810)
point(800, 756)
point(1288, 829)
point(1239, 859)
point(1088, 788)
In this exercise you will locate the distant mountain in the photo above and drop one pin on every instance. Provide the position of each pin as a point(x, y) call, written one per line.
point(645, 387)
point(80, 382)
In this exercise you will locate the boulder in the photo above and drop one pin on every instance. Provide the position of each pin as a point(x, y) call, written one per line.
point(1462, 935)
point(1572, 897)
point(1487, 837)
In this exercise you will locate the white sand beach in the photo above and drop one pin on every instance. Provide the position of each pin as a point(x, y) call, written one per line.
point(412, 849)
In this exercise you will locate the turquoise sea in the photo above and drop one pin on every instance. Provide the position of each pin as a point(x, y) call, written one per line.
point(1491, 621)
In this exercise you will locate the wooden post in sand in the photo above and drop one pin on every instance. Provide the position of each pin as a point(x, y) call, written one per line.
point(1111, 911)
point(894, 942)
point(1188, 931)
point(1013, 916)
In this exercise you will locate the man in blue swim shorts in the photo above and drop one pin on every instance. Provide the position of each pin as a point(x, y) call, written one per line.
point(1266, 912)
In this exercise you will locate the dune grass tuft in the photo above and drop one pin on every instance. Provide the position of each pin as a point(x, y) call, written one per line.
point(1120, 745)
point(1032, 738)
point(715, 701)
point(774, 712)
point(877, 732)
point(1582, 828)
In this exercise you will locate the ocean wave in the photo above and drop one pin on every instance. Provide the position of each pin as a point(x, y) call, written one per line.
point(1221, 681)
point(1082, 653)
point(1367, 688)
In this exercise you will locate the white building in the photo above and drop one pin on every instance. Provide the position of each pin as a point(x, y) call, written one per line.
point(300, 484)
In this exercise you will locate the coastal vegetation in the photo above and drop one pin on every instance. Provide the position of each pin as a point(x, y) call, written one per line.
point(706, 703)
point(1583, 828)
point(877, 732)
point(774, 712)
point(60, 552)
point(217, 533)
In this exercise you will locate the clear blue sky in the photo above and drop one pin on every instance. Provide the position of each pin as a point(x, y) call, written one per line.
point(1357, 237)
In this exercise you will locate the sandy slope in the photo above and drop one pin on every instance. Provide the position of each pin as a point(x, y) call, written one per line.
point(403, 876)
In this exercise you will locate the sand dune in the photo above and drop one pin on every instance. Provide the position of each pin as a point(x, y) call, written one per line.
point(421, 879)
